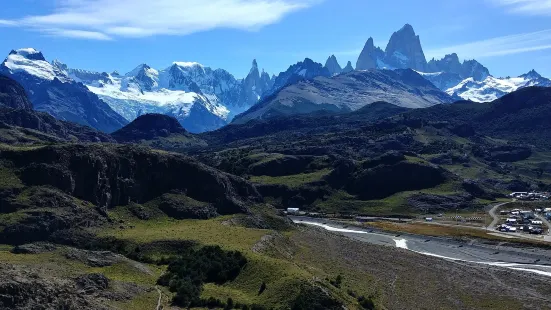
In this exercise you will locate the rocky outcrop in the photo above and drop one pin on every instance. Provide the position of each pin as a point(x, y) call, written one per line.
point(23, 289)
point(41, 212)
point(179, 206)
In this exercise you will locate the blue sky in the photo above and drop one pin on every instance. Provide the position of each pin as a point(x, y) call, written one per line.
point(510, 37)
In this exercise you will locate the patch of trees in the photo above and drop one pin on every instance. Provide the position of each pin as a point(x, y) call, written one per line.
point(186, 275)
point(314, 298)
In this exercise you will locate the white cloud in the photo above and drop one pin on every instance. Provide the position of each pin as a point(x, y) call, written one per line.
point(4, 22)
point(79, 34)
point(104, 19)
point(528, 7)
point(506, 45)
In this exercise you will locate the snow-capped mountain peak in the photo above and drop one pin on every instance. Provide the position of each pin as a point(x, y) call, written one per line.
point(493, 88)
point(51, 89)
point(199, 97)
point(531, 75)
point(31, 61)
point(185, 64)
point(28, 53)
point(142, 68)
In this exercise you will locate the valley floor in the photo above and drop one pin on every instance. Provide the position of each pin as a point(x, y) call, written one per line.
point(369, 265)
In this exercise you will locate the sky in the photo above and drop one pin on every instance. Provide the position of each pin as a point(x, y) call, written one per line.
point(510, 37)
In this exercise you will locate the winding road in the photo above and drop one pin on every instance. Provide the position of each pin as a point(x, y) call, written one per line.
point(495, 217)
point(528, 259)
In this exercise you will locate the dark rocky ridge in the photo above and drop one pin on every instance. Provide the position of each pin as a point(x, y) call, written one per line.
point(12, 95)
point(16, 114)
point(27, 121)
point(348, 92)
point(148, 127)
point(109, 175)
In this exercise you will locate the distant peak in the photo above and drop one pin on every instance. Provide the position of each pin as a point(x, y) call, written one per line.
point(187, 64)
point(370, 43)
point(407, 28)
point(59, 64)
point(255, 64)
point(452, 56)
point(532, 74)
point(29, 53)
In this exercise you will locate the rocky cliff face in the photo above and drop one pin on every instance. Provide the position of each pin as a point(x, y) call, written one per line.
point(108, 176)
point(404, 50)
point(370, 56)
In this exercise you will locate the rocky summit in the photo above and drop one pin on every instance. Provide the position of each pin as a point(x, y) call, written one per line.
point(333, 65)
point(404, 50)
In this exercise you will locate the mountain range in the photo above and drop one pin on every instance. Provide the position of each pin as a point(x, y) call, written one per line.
point(467, 80)
point(349, 92)
point(204, 99)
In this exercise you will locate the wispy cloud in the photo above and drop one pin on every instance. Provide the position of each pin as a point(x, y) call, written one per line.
point(78, 34)
point(528, 7)
point(4, 22)
point(108, 19)
point(506, 45)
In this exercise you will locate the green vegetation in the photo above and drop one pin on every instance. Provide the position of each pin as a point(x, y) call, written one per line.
point(8, 179)
point(186, 275)
point(292, 181)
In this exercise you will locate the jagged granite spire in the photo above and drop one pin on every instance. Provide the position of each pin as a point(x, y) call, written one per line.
point(370, 56)
point(333, 65)
point(348, 67)
point(404, 50)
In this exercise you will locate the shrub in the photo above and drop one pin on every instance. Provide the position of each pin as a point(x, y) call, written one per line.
point(366, 303)
point(262, 288)
point(186, 274)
